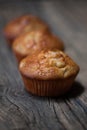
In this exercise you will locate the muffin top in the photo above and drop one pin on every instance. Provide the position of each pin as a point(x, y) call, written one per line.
point(35, 25)
point(36, 40)
point(15, 27)
point(48, 64)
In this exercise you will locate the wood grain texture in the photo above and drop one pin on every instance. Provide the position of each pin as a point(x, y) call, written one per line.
point(20, 110)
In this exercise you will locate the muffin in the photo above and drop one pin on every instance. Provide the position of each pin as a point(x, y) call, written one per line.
point(36, 40)
point(16, 27)
point(35, 25)
point(48, 73)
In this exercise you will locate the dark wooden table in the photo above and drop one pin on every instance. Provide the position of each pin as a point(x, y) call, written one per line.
point(22, 111)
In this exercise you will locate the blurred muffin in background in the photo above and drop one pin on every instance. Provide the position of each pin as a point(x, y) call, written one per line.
point(36, 40)
point(16, 26)
point(37, 25)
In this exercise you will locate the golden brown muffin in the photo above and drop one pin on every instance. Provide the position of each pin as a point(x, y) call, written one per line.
point(35, 25)
point(16, 27)
point(48, 73)
point(36, 40)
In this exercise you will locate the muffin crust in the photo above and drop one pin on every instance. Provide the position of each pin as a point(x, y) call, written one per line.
point(48, 64)
point(35, 25)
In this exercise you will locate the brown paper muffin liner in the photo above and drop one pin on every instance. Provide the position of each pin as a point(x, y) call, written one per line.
point(18, 56)
point(9, 41)
point(48, 87)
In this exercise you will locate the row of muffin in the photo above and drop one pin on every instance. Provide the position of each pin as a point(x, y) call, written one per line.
point(46, 70)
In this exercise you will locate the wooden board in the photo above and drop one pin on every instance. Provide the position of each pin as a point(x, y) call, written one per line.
point(22, 111)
